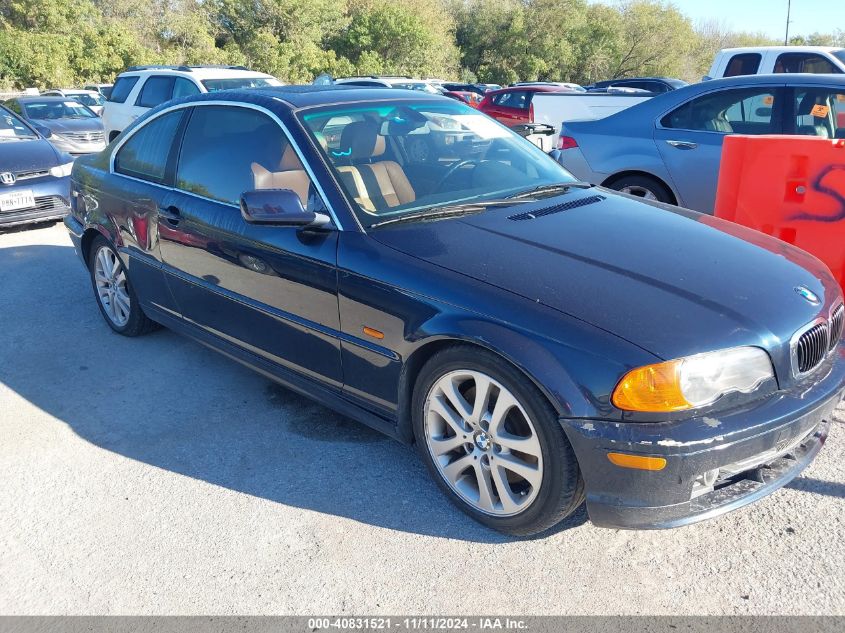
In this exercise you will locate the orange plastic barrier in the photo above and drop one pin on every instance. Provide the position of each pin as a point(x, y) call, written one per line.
point(790, 187)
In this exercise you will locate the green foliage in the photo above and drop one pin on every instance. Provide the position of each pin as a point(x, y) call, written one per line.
point(49, 43)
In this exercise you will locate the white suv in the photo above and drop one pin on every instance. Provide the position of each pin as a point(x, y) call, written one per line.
point(143, 87)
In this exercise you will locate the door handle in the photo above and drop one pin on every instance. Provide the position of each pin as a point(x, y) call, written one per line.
point(683, 144)
point(170, 214)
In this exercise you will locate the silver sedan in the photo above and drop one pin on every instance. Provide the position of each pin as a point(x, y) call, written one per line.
point(669, 148)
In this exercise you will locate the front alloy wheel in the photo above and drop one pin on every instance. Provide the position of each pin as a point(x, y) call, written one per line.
point(483, 443)
point(493, 442)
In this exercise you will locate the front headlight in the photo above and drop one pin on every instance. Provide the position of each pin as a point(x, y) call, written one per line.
point(693, 381)
point(60, 171)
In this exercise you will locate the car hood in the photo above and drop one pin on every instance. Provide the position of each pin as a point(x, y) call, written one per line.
point(672, 281)
point(27, 155)
point(57, 126)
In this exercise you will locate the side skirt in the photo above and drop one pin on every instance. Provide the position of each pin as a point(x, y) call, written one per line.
point(301, 385)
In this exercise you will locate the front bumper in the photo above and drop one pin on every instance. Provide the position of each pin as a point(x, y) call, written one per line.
point(757, 450)
point(51, 202)
point(77, 148)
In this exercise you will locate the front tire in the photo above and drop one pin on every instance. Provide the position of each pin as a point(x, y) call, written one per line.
point(493, 444)
point(113, 291)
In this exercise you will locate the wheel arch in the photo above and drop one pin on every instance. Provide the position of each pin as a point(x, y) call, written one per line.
point(88, 237)
point(424, 352)
point(608, 182)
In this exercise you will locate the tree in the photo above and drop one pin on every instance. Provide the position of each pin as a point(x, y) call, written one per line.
point(398, 37)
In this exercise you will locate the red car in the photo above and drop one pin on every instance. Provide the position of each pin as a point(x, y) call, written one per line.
point(511, 106)
point(470, 98)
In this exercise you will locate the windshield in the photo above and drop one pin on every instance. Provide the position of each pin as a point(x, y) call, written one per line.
point(840, 55)
point(418, 85)
point(50, 110)
point(412, 157)
point(88, 99)
point(12, 128)
point(212, 85)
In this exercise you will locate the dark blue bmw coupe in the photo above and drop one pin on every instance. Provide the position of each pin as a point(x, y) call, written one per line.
point(540, 340)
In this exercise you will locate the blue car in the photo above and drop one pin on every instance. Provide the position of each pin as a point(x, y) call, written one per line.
point(34, 176)
point(541, 341)
point(669, 148)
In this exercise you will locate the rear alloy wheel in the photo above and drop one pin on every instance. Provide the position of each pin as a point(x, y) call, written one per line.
point(643, 187)
point(493, 443)
point(115, 297)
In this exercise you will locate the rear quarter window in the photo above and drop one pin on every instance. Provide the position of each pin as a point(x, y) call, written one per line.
point(121, 89)
point(145, 154)
point(743, 64)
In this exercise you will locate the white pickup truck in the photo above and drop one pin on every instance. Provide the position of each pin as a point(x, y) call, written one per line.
point(764, 60)
point(555, 108)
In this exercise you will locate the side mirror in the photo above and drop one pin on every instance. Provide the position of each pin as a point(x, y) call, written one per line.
point(43, 131)
point(281, 207)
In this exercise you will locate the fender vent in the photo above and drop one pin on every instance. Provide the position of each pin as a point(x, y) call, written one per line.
point(566, 206)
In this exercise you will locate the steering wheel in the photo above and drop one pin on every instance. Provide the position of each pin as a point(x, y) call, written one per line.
point(451, 171)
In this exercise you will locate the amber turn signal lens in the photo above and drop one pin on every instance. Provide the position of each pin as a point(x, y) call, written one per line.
point(651, 388)
point(638, 462)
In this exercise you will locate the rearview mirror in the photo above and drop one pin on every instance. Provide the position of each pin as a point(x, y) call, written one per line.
point(281, 207)
point(43, 131)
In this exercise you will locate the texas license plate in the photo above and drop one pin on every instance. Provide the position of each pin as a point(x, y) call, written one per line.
point(13, 200)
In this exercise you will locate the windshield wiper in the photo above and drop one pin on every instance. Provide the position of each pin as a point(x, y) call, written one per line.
point(562, 186)
point(448, 211)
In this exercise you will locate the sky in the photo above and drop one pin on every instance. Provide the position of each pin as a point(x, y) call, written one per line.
point(769, 16)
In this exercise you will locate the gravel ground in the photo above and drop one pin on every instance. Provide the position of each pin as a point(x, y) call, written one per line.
point(153, 476)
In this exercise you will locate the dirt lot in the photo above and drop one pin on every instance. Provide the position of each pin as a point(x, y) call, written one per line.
point(155, 476)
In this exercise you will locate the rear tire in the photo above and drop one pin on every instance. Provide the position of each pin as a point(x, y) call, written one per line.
point(643, 187)
point(113, 291)
point(504, 459)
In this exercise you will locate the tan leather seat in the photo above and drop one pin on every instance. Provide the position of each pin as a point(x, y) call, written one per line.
point(376, 185)
point(291, 175)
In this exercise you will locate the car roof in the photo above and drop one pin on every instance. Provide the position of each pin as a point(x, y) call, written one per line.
point(790, 79)
point(310, 95)
point(533, 88)
point(199, 72)
point(42, 98)
point(781, 49)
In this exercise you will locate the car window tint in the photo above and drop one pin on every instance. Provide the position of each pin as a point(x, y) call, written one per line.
point(820, 112)
point(746, 111)
point(121, 89)
point(804, 63)
point(155, 90)
point(184, 88)
point(145, 154)
point(743, 64)
point(229, 150)
point(515, 99)
point(14, 106)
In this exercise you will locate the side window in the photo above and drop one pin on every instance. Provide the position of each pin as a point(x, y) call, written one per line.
point(747, 111)
point(14, 106)
point(184, 88)
point(228, 150)
point(804, 63)
point(515, 99)
point(145, 154)
point(820, 112)
point(743, 64)
point(121, 89)
point(155, 90)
